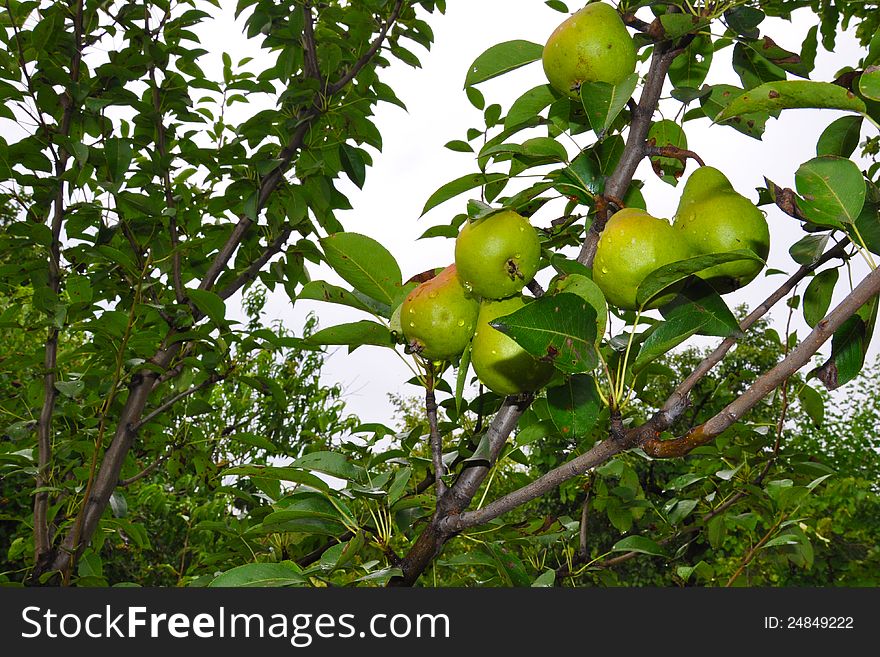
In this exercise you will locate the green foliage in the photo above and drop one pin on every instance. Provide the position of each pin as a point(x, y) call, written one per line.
point(137, 211)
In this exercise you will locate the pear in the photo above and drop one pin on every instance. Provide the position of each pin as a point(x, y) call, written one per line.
point(714, 218)
point(592, 45)
point(500, 363)
point(498, 255)
point(439, 316)
point(633, 245)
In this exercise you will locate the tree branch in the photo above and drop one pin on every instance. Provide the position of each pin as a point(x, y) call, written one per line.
point(436, 438)
point(367, 56)
point(765, 384)
point(649, 431)
point(253, 270)
point(42, 539)
point(635, 149)
point(173, 399)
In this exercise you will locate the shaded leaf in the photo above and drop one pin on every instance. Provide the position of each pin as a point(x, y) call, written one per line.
point(574, 406)
point(459, 186)
point(662, 277)
point(841, 137)
point(639, 544)
point(560, 329)
point(353, 334)
point(817, 297)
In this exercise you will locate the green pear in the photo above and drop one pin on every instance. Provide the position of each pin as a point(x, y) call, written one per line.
point(498, 255)
point(714, 218)
point(439, 316)
point(633, 245)
point(500, 363)
point(592, 45)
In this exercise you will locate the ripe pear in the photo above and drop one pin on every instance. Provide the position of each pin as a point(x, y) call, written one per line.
point(592, 45)
point(714, 218)
point(498, 255)
point(633, 245)
point(438, 317)
point(500, 363)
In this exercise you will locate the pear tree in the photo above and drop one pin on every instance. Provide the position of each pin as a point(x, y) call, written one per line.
point(143, 206)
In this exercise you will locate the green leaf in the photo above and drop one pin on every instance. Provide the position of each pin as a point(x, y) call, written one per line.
point(639, 544)
point(792, 94)
point(209, 304)
point(667, 133)
point(753, 69)
point(118, 154)
point(817, 297)
point(833, 190)
point(808, 249)
point(841, 137)
point(398, 486)
point(869, 83)
point(676, 26)
point(574, 406)
point(603, 102)
point(509, 566)
point(699, 297)
point(527, 106)
point(690, 68)
point(365, 264)
point(353, 164)
point(544, 147)
point(813, 404)
point(353, 334)
point(459, 186)
point(323, 291)
point(282, 474)
point(70, 389)
point(560, 329)
point(719, 97)
point(331, 463)
point(285, 573)
point(849, 346)
point(662, 277)
point(502, 58)
point(669, 334)
point(545, 579)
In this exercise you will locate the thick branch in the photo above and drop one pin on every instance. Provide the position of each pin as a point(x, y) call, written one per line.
point(42, 540)
point(111, 464)
point(769, 381)
point(310, 50)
